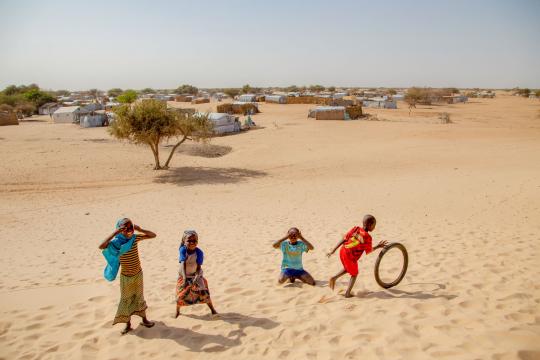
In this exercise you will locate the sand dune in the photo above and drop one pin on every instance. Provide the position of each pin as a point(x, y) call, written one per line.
point(464, 198)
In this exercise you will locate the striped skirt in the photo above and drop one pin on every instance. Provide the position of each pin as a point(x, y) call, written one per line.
point(131, 298)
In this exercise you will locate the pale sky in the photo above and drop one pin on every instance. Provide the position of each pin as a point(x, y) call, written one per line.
point(162, 44)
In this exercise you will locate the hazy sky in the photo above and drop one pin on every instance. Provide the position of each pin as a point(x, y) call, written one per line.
point(162, 44)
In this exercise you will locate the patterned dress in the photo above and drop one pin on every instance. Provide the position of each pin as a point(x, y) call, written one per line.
point(131, 286)
point(191, 289)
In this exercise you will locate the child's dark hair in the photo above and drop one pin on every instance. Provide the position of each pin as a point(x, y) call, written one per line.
point(186, 235)
point(293, 230)
point(369, 220)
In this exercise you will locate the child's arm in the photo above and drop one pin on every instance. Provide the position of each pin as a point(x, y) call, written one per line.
point(381, 244)
point(277, 244)
point(309, 245)
point(336, 247)
point(146, 234)
point(106, 242)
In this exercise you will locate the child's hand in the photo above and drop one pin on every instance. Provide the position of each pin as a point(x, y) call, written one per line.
point(137, 227)
point(329, 254)
point(382, 244)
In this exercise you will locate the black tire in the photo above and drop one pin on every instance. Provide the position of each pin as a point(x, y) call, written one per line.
point(403, 269)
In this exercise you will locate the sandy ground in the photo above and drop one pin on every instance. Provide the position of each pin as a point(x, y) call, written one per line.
point(464, 198)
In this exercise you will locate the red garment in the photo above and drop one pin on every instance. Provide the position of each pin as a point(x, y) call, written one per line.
point(353, 248)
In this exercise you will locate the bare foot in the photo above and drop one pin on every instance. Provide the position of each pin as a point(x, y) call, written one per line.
point(126, 329)
point(349, 295)
point(332, 283)
point(177, 313)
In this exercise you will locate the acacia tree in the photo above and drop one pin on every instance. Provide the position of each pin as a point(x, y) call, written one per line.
point(149, 122)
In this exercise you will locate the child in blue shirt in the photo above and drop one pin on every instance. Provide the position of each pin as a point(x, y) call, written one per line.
point(192, 286)
point(292, 249)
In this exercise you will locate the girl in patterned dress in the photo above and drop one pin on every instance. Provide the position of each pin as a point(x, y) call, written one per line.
point(191, 287)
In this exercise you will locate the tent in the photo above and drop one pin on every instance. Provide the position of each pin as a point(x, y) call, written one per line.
point(277, 99)
point(224, 123)
point(380, 103)
point(48, 108)
point(66, 114)
point(247, 98)
point(96, 120)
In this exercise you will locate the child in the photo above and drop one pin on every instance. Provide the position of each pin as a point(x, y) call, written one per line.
point(121, 252)
point(291, 266)
point(191, 287)
point(355, 242)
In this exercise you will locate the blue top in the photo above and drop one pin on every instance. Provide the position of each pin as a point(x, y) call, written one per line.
point(292, 254)
point(184, 254)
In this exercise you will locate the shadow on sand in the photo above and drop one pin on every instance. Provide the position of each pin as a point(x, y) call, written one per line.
point(198, 342)
point(188, 338)
point(411, 294)
point(243, 321)
point(206, 175)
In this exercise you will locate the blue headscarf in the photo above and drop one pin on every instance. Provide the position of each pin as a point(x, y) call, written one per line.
point(118, 246)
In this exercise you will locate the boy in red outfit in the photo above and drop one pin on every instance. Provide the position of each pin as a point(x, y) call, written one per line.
point(354, 244)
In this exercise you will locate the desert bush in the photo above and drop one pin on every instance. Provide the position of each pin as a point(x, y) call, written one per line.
point(316, 88)
point(292, 88)
point(416, 95)
point(232, 92)
point(354, 111)
point(524, 92)
point(187, 89)
point(127, 97)
point(115, 92)
point(25, 99)
point(150, 122)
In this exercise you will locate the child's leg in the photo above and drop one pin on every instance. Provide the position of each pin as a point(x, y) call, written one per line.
point(351, 284)
point(127, 328)
point(177, 311)
point(307, 279)
point(332, 281)
point(282, 278)
point(211, 306)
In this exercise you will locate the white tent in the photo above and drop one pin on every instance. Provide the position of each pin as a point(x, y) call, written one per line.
point(66, 114)
point(247, 98)
point(278, 99)
point(380, 102)
point(96, 120)
point(224, 123)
